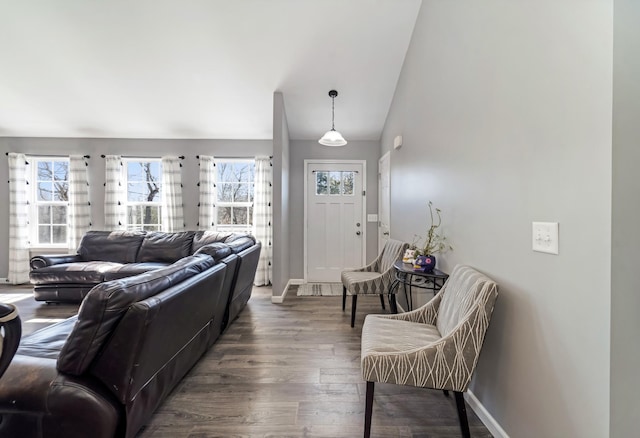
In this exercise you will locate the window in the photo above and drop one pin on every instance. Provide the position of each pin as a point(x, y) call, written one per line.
point(144, 194)
point(49, 201)
point(235, 194)
point(334, 182)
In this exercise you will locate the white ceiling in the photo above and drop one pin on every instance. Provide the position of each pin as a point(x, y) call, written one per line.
point(199, 68)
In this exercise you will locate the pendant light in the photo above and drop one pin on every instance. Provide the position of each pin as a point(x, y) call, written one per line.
point(332, 137)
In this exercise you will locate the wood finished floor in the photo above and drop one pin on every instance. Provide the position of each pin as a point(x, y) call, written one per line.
point(287, 370)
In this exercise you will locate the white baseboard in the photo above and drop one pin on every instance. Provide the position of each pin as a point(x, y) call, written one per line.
point(491, 424)
point(4, 280)
point(280, 298)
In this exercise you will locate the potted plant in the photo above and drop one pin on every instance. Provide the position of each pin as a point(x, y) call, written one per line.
point(434, 243)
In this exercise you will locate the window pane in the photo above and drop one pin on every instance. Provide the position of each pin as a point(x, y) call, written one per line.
point(150, 215)
point(44, 214)
point(59, 214)
point(322, 186)
point(44, 234)
point(243, 172)
point(61, 170)
point(61, 191)
point(334, 183)
point(224, 215)
point(347, 183)
point(45, 170)
point(59, 234)
point(45, 191)
point(240, 215)
point(143, 192)
point(241, 192)
point(225, 192)
point(250, 215)
point(134, 215)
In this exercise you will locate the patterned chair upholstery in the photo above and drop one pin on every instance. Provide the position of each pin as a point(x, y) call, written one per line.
point(436, 346)
point(12, 327)
point(373, 279)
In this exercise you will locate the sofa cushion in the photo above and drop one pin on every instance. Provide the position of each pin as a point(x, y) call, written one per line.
point(47, 342)
point(202, 238)
point(131, 269)
point(165, 247)
point(78, 273)
point(239, 243)
point(111, 246)
point(103, 307)
point(216, 250)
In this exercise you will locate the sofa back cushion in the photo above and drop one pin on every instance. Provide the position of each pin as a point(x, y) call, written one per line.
point(111, 246)
point(165, 247)
point(106, 303)
point(202, 238)
point(216, 250)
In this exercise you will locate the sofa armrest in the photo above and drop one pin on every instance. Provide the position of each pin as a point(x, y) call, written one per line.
point(42, 261)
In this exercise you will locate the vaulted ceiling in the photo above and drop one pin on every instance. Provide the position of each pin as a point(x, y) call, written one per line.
point(199, 68)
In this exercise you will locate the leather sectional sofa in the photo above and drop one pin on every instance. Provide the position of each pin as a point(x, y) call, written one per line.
point(111, 255)
point(103, 372)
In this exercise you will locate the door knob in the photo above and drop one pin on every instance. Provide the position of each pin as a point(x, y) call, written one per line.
point(386, 233)
point(357, 233)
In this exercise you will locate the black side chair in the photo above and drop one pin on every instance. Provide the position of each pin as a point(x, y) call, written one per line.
point(10, 333)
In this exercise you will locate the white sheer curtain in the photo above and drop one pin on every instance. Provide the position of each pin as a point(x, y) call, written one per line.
point(172, 211)
point(79, 207)
point(208, 194)
point(262, 218)
point(18, 220)
point(114, 194)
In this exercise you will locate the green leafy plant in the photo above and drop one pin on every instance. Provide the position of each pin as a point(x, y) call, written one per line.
point(434, 242)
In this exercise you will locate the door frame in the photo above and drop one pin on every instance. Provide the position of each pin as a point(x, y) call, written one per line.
point(386, 156)
point(307, 162)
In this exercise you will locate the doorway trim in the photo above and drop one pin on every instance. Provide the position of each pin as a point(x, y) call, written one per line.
point(364, 205)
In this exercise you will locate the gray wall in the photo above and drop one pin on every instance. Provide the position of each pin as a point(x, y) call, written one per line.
point(280, 196)
point(505, 112)
point(625, 282)
point(126, 147)
point(310, 149)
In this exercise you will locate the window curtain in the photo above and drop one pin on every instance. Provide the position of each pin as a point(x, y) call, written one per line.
point(208, 194)
point(18, 220)
point(262, 218)
point(79, 207)
point(114, 194)
point(172, 212)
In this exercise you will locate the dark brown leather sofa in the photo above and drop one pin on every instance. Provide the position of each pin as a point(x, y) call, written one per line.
point(110, 255)
point(103, 372)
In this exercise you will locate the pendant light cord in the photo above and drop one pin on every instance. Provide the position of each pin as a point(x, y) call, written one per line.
point(333, 110)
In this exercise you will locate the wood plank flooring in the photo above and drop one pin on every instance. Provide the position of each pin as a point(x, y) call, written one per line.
point(289, 370)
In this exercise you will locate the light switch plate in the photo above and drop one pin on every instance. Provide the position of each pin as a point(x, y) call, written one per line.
point(372, 218)
point(545, 237)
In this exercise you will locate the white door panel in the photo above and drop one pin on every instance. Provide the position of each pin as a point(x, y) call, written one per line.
point(334, 212)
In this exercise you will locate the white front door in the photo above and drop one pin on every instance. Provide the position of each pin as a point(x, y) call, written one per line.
point(335, 231)
point(384, 200)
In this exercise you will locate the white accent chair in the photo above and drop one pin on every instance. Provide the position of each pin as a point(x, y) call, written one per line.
point(373, 279)
point(436, 346)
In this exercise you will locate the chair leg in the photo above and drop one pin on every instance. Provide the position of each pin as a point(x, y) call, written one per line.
point(354, 301)
point(368, 410)
point(344, 298)
point(382, 300)
point(462, 414)
point(392, 303)
point(446, 393)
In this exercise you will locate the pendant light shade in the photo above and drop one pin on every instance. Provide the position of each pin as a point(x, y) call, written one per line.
point(332, 137)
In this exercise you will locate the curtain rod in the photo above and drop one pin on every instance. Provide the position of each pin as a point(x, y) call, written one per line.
point(134, 156)
point(48, 155)
point(232, 158)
